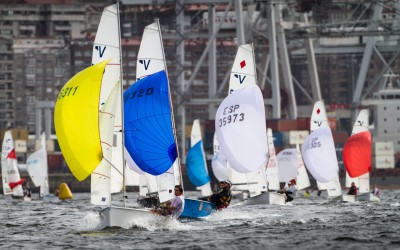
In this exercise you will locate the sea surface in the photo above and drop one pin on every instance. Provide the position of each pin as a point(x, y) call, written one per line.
point(308, 223)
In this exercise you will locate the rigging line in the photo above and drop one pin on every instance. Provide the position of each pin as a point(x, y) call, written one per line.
point(112, 165)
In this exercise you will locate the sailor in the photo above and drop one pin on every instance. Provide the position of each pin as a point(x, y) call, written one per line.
point(375, 191)
point(175, 206)
point(353, 189)
point(223, 198)
point(291, 190)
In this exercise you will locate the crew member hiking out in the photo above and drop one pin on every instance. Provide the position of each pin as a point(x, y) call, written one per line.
point(223, 198)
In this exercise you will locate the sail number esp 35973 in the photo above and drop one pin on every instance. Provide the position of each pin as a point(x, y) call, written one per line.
point(231, 114)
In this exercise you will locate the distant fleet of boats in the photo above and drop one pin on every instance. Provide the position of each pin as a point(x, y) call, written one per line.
point(100, 128)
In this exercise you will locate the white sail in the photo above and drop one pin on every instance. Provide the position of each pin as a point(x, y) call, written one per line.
point(360, 125)
point(9, 167)
point(272, 165)
point(151, 57)
point(195, 137)
point(36, 165)
point(302, 180)
point(318, 154)
point(287, 164)
point(107, 46)
point(101, 176)
point(243, 71)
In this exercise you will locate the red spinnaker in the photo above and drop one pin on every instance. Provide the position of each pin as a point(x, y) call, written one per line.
point(14, 184)
point(357, 154)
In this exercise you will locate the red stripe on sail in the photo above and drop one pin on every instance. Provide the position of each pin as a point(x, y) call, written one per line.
point(11, 155)
point(14, 184)
point(357, 154)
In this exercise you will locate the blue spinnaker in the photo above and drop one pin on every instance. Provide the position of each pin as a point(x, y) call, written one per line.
point(196, 167)
point(147, 121)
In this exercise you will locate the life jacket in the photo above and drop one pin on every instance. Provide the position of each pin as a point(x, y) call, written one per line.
point(223, 199)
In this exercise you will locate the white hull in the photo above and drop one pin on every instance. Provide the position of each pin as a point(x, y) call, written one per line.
point(368, 197)
point(266, 199)
point(349, 198)
point(127, 217)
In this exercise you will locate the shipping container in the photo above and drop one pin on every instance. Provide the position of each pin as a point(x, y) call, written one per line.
point(384, 161)
point(282, 125)
point(384, 148)
point(56, 162)
point(339, 137)
point(303, 123)
point(278, 139)
point(295, 136)
point(20, 146)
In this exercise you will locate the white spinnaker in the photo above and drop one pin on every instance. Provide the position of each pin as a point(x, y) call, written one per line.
point(195, 137)
point(36, 165)
point(318, 157)
point(107, 46)
point(151, 59)
point(243, 74)
point(9, 166)
point(302, 180)
point(272, 165)
point(101, 176)
point(219, 163)
point(241, 129)
point(287, 164)
point(360, 125)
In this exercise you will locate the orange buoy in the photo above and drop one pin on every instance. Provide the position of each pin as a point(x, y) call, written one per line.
point(65, 192)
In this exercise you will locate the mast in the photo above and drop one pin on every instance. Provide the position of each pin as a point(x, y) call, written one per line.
point(122, 104)
point(170, 103)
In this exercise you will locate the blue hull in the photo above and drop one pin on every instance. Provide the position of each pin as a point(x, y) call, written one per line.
point(197, 209)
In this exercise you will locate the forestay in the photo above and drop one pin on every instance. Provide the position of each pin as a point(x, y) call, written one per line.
point(241, 129)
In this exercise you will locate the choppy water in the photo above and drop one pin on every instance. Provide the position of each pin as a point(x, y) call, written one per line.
point(307, 224)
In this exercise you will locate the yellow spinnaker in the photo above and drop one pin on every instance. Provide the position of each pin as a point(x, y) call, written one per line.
point(76, 119)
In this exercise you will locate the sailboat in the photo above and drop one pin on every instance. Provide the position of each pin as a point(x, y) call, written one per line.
point(150, 135)
point(357, 154)
point(319, 152)
point(196, 165)
point(36, 165)
point(9, 168)
point(84, 123)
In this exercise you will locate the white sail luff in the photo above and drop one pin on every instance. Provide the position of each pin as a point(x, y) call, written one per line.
point(272, 171)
